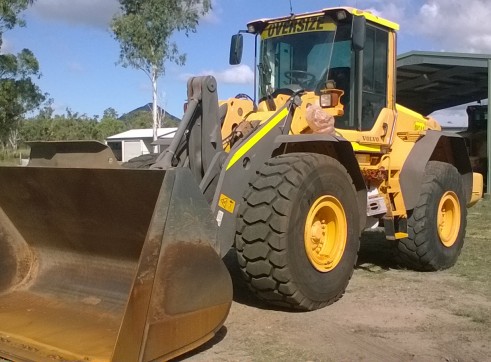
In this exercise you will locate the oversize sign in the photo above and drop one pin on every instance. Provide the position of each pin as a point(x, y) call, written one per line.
point(296, 26)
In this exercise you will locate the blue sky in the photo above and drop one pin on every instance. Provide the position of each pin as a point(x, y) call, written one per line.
point(78, 54)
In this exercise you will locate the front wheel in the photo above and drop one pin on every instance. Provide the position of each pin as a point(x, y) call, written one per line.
point(297, 239)
point(437, 224)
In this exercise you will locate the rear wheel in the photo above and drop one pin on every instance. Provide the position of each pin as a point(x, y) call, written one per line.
point(298, 231)
point(437, 224)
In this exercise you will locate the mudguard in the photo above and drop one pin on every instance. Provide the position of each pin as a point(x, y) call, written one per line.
point(437, 146)
point(336, 147)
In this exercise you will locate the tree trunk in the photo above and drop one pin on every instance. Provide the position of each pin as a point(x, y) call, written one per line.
point(155, 115)
point(14, 139)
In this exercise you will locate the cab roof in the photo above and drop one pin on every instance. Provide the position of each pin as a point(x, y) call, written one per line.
point(260, 24)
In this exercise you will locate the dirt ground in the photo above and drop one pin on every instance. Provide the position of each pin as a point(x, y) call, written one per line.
point(387, 314)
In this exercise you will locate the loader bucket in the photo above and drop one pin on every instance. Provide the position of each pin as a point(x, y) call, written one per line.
point(106, 264)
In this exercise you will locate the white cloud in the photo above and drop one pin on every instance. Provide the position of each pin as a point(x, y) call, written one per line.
point(456, 25)
point(451, 117)
point(240, 74)
point(451, 25)
point(429, 11)
point(393, 10)
point(94, 13)
point(213, 16)
point(388, 11)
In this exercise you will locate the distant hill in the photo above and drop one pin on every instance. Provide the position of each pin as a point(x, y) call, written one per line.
point(169, 120)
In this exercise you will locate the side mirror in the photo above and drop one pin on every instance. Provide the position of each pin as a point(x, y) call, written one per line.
point(236, 49)
point(359, 32)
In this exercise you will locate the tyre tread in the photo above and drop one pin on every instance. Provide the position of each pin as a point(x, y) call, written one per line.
point(416, 251)
point(277, 287)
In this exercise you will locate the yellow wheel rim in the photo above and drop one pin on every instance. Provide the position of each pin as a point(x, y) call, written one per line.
point(325, 233)
point(448, 220)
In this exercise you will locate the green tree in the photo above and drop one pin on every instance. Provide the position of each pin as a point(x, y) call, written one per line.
point(18, 93)
point(144, 30)
point(47, 111)
point(138, 120)
point(69, 126)
point(9, 13)
point(110, 124)
point(110, 113)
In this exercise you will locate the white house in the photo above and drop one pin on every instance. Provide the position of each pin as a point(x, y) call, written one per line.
point(136, 142)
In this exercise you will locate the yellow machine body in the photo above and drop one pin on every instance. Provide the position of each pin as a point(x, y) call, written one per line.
point(381, 148)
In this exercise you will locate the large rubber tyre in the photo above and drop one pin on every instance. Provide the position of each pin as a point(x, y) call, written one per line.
point(436, 227)
point(142, 161)
point(272, 222)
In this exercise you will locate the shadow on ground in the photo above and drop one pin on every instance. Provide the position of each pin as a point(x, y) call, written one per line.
point(376, 250)
point(219, 336)
point(375, 255)
point(242, 294)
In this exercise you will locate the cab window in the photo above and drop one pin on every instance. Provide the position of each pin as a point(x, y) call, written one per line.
point(374, 88)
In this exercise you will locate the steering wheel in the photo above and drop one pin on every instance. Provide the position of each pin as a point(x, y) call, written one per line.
point(301, 77)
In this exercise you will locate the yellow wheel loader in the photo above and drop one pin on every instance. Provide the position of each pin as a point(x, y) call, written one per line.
point(102, 261)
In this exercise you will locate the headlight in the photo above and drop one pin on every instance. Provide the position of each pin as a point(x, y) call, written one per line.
point(326, 100)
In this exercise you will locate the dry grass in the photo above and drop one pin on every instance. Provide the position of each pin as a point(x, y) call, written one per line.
point(475, 261)
point(11, 158)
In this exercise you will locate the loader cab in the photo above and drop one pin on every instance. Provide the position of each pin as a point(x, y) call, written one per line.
point(306, 53)
point(344, 49)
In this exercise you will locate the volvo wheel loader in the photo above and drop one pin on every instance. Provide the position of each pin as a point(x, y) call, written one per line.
point(102, 261)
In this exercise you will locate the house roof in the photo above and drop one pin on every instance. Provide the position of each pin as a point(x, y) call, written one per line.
point(144, 133)
point(430, 81)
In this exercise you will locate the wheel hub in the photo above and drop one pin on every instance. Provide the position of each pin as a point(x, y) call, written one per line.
point(448, 220)
point(325, 233)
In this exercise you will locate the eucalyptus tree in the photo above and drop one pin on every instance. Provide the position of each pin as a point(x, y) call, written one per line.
point(9, 13)
point(144, 30)
point(18, 92)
